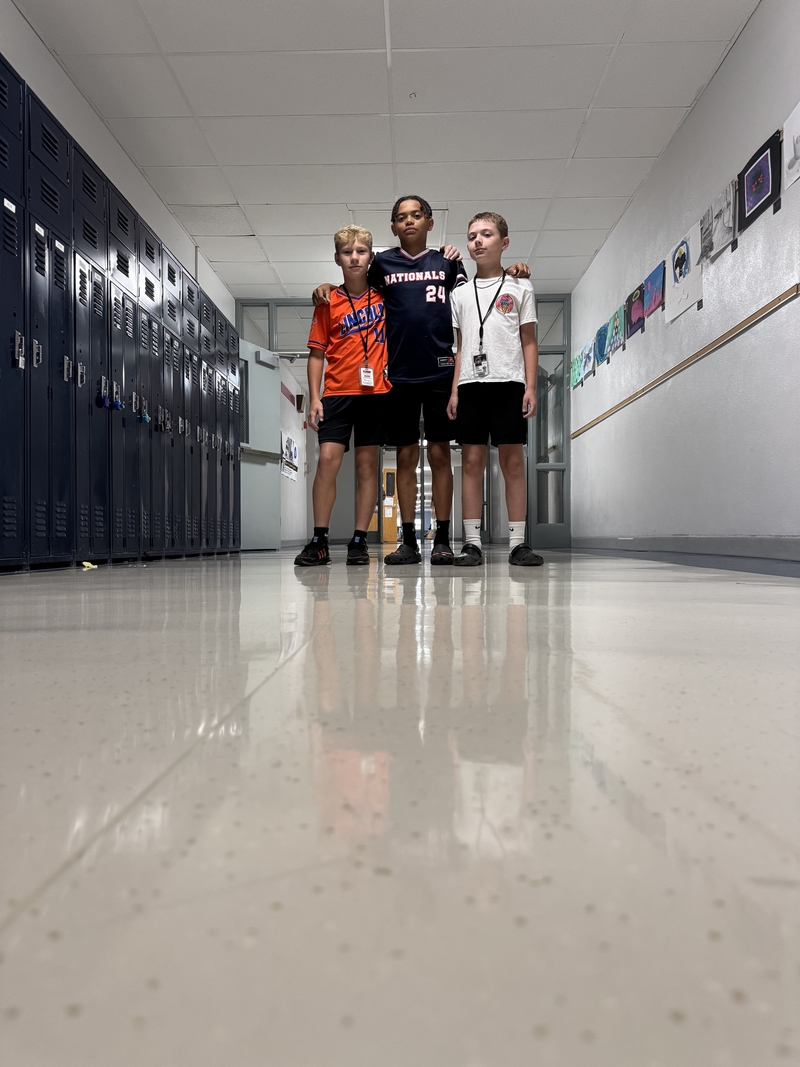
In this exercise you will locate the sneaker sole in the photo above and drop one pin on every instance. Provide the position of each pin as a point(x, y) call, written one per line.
point(402, 562)
point(477, 563)
point(315, 563)
point(442, 561)
point(358, 562)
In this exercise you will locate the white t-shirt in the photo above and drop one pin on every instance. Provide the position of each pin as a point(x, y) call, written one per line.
point(514, 305)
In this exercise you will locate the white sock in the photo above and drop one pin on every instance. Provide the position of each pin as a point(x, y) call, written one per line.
point(472, 532)
point(516, 535)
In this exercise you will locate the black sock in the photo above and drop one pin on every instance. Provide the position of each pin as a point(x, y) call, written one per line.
point(359, 535)
point(442, 536)
point(321, 533)
point(409, 534)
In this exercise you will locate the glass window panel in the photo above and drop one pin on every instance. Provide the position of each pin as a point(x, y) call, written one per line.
point(549, 497)
point(550, 330)
point(292, 327)
point(255, 324)
point(550, 409)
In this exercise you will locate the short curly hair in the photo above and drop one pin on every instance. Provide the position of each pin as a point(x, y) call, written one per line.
point(491, 216)
point(351, 233)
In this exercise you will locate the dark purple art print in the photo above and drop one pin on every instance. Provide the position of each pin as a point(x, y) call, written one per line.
point(757, 183)
point(634, 311)
point(654, 290)
point(760, 182)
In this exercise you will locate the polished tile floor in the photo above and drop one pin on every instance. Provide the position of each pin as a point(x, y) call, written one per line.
point(256, 818)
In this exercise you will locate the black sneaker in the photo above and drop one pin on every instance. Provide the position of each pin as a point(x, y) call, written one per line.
point(471, 556)
point(441, 555)
point(403, 554)
point(315, 554)
point(357, 554)
point(524, 556)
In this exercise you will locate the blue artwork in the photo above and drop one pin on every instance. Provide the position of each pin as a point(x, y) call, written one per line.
point(654, 290)
point(587, 359)
point(600, 344)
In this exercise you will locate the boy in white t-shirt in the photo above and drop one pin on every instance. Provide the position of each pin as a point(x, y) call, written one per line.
point(494, 386)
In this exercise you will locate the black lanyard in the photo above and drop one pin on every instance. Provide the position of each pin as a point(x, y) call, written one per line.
point(363, 334)
point(482, 318)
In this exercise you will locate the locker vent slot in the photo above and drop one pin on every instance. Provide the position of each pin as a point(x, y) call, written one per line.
point(143, 331)
point(83, 287)
point(99, 521)
point(60, 269)
point(9, 516)
point(61, 520)
point(172, 274)
point(129, 320)
point(172, 311)
point(206, 343)
point(191, 329)
point(98, 300)
point(123, 264)
point(157, 526)
point(205, 312)
point(89, 186)
point(119, 529)
point(123, 223)
point(149, 250)
point(145, 524)
point(154, 345)
point(50, 142)
point(40, 256)
point(3, 93)
point(10, 236)
point(176, 360)
point(195, 373)
point(168, 526)
point(190, 295)
point(233, 369)
point(83, 521)
point(4, 154)
point(149, 289)
point(117, 313)
point(90, 234)
point(131, 522)
point(167, 351)
point(220, 359)
point(40, 519)
point(50, 197)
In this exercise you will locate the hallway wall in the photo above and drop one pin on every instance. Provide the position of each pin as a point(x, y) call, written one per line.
point(294, 495)
point(34, 63)
point(710, 461)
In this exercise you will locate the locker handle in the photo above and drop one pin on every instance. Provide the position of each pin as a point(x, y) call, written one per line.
point(81, 376)
point(117, 401)
point(36, 355)
point(134, 402)
point(67, 368)
point(19, 350)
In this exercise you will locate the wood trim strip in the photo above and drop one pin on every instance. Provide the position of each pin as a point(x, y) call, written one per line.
point(723, 339)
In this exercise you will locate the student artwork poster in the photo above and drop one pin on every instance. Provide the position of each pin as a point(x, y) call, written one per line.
point(587, 360)
point(684, 282)
point(760, 182)
point(600, 344)
point(791, 148)
point(634, 312)
point(654, 290)
point(718, 224)
point(616, 331)
point(575, 371)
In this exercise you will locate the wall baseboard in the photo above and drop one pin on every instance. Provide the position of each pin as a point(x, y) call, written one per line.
point(756, 547)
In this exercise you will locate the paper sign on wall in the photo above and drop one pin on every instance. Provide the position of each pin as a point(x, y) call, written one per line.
point(290, 455)
point(683, 286)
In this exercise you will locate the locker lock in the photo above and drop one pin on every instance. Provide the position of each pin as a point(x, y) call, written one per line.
point(67, 368)
point(102, 399)
point(199, 435)
point(81, 376)
point(117, 400)
point(180, 425)
point(37, 354)
point(19, 350)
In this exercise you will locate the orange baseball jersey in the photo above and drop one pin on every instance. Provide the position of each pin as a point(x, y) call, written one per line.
point(338, 330)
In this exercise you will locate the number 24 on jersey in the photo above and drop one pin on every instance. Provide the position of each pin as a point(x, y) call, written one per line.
point(434, 293)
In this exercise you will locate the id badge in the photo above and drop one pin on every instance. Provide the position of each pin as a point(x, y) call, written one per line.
point(480, 362)
point(367, 377)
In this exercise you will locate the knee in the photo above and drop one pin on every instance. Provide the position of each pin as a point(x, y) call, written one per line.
point(407, 458)
point(328, 465)
point(439, 456)
point(513, 466)
point(366, 467)
point(473, 465)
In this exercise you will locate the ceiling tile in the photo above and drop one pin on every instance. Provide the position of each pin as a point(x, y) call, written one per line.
point(569, 242)
point(585, 213)
point(312, 184)
point(555, 285)
point(300, 139)
point(218, 220)
point(250, 273)
point(231, 249)
point(524, 78)
point(251, 25)
point(302, 249)
point(629, 131)
point(471, 25)
point(534, 179)
point(519, 214)
point(379, 224)
point(285, 83)
point(604, 177)
point(77, 27)
point(545, 267)
point(298, 292)
point(486, 135)
point(190, 185)
point(310, 273)
point(163, 142)
point(289, 219)
point(121, 86)
point(520, 246)
point(659, 75)
point(255, 291)
point(687, 20)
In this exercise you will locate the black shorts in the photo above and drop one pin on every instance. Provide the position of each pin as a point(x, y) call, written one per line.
point(341, 415)
point(407, 401)
point(491, 409)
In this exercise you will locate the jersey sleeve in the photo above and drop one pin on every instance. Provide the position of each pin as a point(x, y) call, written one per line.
point(320, 328)
point(527, 304)
point(458, 275)
point(375, 277)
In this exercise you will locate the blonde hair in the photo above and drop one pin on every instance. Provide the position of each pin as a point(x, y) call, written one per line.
point(347, 234)
point(491, 216)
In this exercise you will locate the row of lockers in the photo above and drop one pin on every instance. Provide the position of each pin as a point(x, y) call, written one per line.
point(119, 378)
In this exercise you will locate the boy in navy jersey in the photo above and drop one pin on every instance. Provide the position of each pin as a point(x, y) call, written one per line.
point(416, 282)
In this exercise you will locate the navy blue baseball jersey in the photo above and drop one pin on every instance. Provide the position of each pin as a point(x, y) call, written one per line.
point(419, 324)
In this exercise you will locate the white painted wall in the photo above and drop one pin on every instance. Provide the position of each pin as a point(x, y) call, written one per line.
point(294, 495)
point(715, 452)
point(35, 64)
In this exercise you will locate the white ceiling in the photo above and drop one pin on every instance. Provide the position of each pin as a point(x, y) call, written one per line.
point(265, 127)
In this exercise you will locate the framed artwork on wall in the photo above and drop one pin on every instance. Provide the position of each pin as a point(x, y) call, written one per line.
point(683, 286)
point(575, 370)
point(600, 344)
point(791, 148)
point(587, 360)
point(760, 181)
point(718, 224)
point(634, 312)
point(616, 331)
point(654, 290)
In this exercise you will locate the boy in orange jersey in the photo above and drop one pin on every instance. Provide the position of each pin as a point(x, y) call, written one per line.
point(348, 338)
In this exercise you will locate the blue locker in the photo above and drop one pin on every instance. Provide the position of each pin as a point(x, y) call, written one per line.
point(125, 502)
point(223, 452)
point(89, 210)
point(194, 450)
point(62, 405)
point(142, 413)
point(38, 420)
point(157, 440)
point(12, 155)
point(92, 412)
point(122, 244)
point(208, 455)
point(172, 286)
point(49, 170)
point(149, 252)
point(12, 384)
point(233, 440)
point(176, 453)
